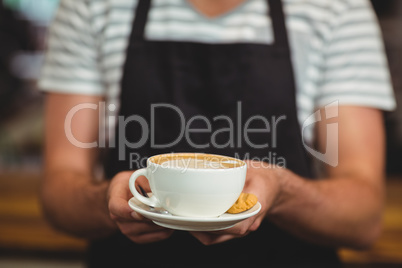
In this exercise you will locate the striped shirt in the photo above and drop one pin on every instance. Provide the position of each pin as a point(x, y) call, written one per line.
point(336, 45)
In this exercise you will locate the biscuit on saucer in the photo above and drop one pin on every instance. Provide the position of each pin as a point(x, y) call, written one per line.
point(243, 203)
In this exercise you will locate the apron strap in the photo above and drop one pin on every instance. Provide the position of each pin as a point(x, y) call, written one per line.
point(275, 12)
point(141, 17)
point(278, 24)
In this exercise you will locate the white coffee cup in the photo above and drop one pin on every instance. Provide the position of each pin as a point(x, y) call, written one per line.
point(192, 184)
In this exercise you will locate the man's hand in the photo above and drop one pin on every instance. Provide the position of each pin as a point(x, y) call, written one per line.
point(133, 225)
point(262, 180)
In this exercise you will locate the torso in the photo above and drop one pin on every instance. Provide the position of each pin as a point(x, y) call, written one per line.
point(319, 79)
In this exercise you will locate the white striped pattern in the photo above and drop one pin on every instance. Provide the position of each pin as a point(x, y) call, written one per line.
point(336, 46)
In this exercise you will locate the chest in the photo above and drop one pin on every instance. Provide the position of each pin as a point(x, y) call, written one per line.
point(178, 21)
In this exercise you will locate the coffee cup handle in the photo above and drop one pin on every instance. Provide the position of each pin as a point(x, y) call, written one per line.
point(150, 201)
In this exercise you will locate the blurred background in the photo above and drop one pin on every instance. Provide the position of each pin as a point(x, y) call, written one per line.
point(25, 238)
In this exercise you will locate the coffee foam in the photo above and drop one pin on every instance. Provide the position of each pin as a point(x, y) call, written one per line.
point(196, 160)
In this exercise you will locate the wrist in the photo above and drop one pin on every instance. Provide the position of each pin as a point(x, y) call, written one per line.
point(282, 178)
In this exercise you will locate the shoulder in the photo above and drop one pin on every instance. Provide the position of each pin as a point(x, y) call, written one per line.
point(89, 9)
point(325, 11)
point(329, 5)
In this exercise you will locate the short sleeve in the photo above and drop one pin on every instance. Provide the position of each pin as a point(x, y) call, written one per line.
point(71, 60)
point(355, 70)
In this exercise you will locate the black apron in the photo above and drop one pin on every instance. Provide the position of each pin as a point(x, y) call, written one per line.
point(233, 87)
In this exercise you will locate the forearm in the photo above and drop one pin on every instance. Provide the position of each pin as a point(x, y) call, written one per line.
point(343, 211)
point(76, 204)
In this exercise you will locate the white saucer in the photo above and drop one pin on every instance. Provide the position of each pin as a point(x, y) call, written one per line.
point(163, 218)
